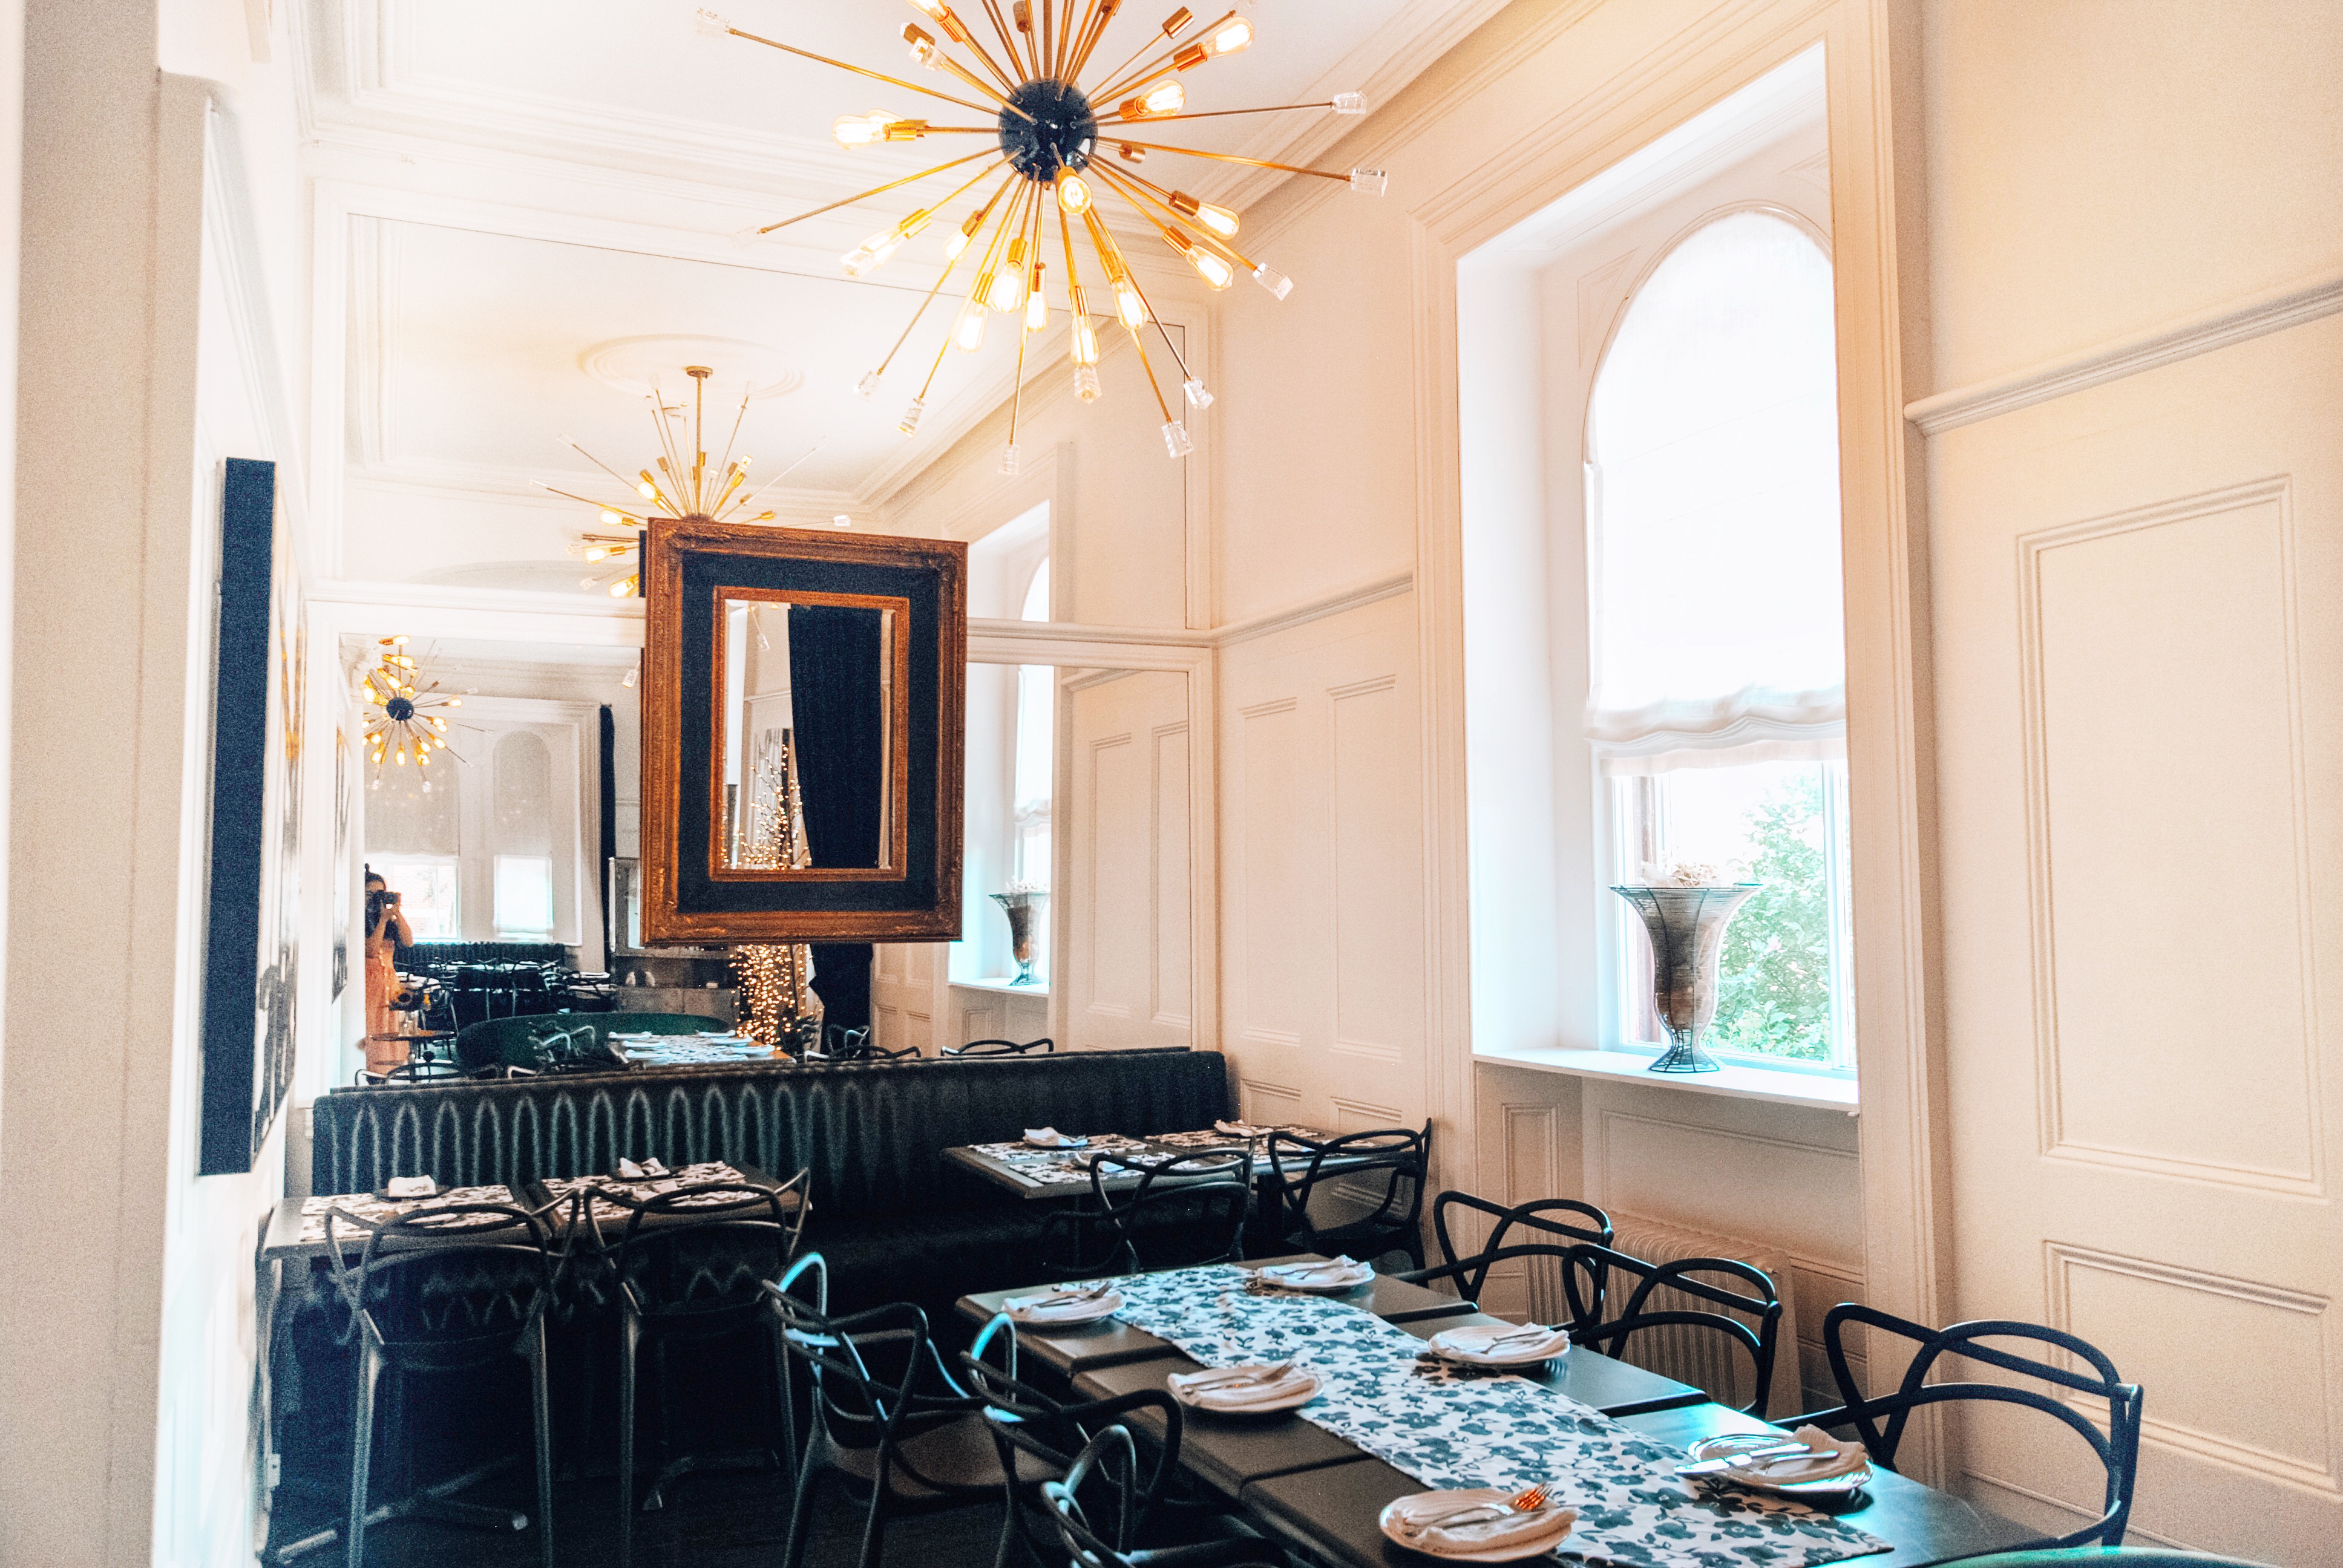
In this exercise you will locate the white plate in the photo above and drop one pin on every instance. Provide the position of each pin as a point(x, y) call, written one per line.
point(1736, 1443)
point(1278, 1406)
point(1073, 1317)
point(1510, 1551)
point(1318, 1284)
point(1465, 1355)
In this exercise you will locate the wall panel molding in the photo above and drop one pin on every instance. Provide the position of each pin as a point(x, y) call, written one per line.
point(2291, 304)
point(2058, 1139)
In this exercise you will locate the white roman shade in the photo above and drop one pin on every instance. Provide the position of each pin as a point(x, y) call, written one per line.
point(1712, 509)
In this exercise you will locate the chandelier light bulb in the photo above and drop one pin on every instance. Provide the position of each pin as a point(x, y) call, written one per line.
point(1175, 440)
point(872, 253)
point(1219, 219)
point(1210, 265)
point(968, 332)
point(595, 552)
point(1073, 193)
point(624, 588)
point(646, 490)
point(854, 131)
point(612, 520)
point(1083, 345)
point(1276, 282)
point(1232, 37)
point(934, 8)
point(1129, 305)
point(1037, 304)
point(1086, 383)
point(1008, 292)
point(1164, 98)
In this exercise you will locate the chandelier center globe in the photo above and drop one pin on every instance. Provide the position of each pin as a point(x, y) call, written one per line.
point(1061, 132)
point(398, 709)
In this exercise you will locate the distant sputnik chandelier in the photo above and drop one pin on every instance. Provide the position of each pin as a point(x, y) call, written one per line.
point(1052, 115)
point(692, 487)
point(399, 721)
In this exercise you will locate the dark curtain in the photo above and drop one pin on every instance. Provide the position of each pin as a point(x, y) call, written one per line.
point(841, 737)
point(610, 844)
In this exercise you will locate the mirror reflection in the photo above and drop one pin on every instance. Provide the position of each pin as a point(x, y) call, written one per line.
point(809, 732)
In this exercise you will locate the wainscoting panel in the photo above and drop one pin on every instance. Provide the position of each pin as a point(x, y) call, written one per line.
point(1321, 870)
point(1174, 899)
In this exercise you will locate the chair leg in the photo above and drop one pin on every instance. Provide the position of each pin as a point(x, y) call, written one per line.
point(663, 1394)
point(874, 1524)
point(629, 1333)
point(810, 1476)
point(784, 1390)
point(541, 1397)
point(369, 1372)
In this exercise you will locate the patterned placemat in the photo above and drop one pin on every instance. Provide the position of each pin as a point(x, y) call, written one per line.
point(1058, 1167)
point(1452, 1428)
point(375, 1211)
point(684, 1050)
point(609, 1213)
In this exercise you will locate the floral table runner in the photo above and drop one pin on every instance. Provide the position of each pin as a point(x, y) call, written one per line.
point(1452, 1428)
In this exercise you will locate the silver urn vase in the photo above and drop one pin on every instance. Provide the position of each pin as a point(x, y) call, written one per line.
point(1686, 926)
point(1024, 912)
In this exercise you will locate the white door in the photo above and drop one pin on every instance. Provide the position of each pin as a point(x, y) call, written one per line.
point(2139, 701)
point(903, 995)
point(1120, 848)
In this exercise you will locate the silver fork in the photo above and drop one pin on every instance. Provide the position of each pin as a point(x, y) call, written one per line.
point(1063, 1297)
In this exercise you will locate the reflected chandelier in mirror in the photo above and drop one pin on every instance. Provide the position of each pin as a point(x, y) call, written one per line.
point(802, 729)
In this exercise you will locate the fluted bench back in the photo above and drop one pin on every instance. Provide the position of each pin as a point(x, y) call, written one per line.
point(873, 1135)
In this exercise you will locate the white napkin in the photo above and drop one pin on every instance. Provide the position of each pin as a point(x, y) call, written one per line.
point(1479, 1344)
point(1474, 1532)
point(1341, 1270)
point(1050, 1306)
point(411, 1187)
point(1833, 1459)
point(1050, 1138)
point(1217, 1394)
point(650, 1169)
point(1237, 1128)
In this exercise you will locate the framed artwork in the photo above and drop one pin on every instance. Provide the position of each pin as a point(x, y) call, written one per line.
point(253, 936)
point(341, 863)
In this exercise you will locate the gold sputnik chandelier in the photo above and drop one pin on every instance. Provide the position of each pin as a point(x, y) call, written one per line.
point(399, 722)
point(693, 488)
point(1055, 117)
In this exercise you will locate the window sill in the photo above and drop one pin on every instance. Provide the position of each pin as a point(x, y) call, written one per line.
point(1005, 987)
point(1809, 1089)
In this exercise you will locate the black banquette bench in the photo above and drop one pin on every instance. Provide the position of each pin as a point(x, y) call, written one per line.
point(895, 1220)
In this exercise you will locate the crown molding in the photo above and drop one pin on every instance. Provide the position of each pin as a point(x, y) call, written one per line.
point(2257, 316)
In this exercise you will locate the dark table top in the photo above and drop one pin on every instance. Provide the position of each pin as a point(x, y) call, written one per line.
point(1224, 1451)
point(1077, 1349)
point(1330, 1510)
point(285, 1225)
point(1611, 1386)
point(1005, 1175)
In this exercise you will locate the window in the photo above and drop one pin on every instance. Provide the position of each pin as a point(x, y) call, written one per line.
point(1719, 701)
point(1035, 761)
point(523, 828)
point(412, 844)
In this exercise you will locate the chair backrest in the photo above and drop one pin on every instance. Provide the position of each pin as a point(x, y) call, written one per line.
point(1591, 1277)
point(1398, 1160)
point(1108, 1464)
point(420, 1070)
point(446, 1287)
point(1538, 1235)
point(875, 1379)
point(701, 1252)
point(982, 1048)
point(1023, 1419)
point(1185, 1212)
point(2073, 1364)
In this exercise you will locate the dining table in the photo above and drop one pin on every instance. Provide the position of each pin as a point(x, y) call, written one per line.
point(1060, 1171)
point(1387, 1421)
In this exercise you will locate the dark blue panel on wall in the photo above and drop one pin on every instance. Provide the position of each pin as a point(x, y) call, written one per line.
point(231, 1037)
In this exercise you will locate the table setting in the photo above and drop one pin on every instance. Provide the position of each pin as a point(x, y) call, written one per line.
point(1499, 1346)
point(1057, 1159)
point(404, 1197)
point(1478, 1523)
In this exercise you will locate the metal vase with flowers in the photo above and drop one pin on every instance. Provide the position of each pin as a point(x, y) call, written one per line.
point(1685, 910)
point(1023, 904)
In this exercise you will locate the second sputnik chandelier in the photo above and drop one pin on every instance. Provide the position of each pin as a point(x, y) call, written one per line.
point(1052, 113)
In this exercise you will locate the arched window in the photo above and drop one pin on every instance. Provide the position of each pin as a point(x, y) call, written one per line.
point(412, 843)
point(1718, 655)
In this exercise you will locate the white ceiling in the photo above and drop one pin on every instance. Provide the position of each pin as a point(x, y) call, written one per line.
point(506, 187)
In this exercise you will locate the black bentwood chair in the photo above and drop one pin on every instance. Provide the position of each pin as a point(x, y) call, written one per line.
point(1112, 1460)
point(422, 1070)
point(2081, 1368)
point(1587, 1281)
point(1396, 1158)
point(1538, 1235)
point(977, 1048)
point(692, 1265)
point(887, 1420)
point(448, 1290)
point(1037, 1437)
point(1186, 1211)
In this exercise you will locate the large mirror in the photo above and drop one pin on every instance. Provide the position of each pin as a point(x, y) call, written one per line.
point(801, 728)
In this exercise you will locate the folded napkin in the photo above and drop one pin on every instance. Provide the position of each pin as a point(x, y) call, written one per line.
point(1482, 1530)
point(1208, 1391)
point(1237, 1129)
point(1833, 1459)
point(411, 1187)
point(1053, 1306)
point(1498, 1342)
point(649, 1169)
point(1345, 1269)
point(1050, 1138)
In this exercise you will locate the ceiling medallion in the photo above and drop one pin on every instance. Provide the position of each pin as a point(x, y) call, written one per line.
point(693, 488)
point(1051, 113)
point(398, 715)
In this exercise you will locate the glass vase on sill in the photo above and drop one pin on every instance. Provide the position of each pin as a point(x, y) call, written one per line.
point(1686, 927)
point(1023, 905)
